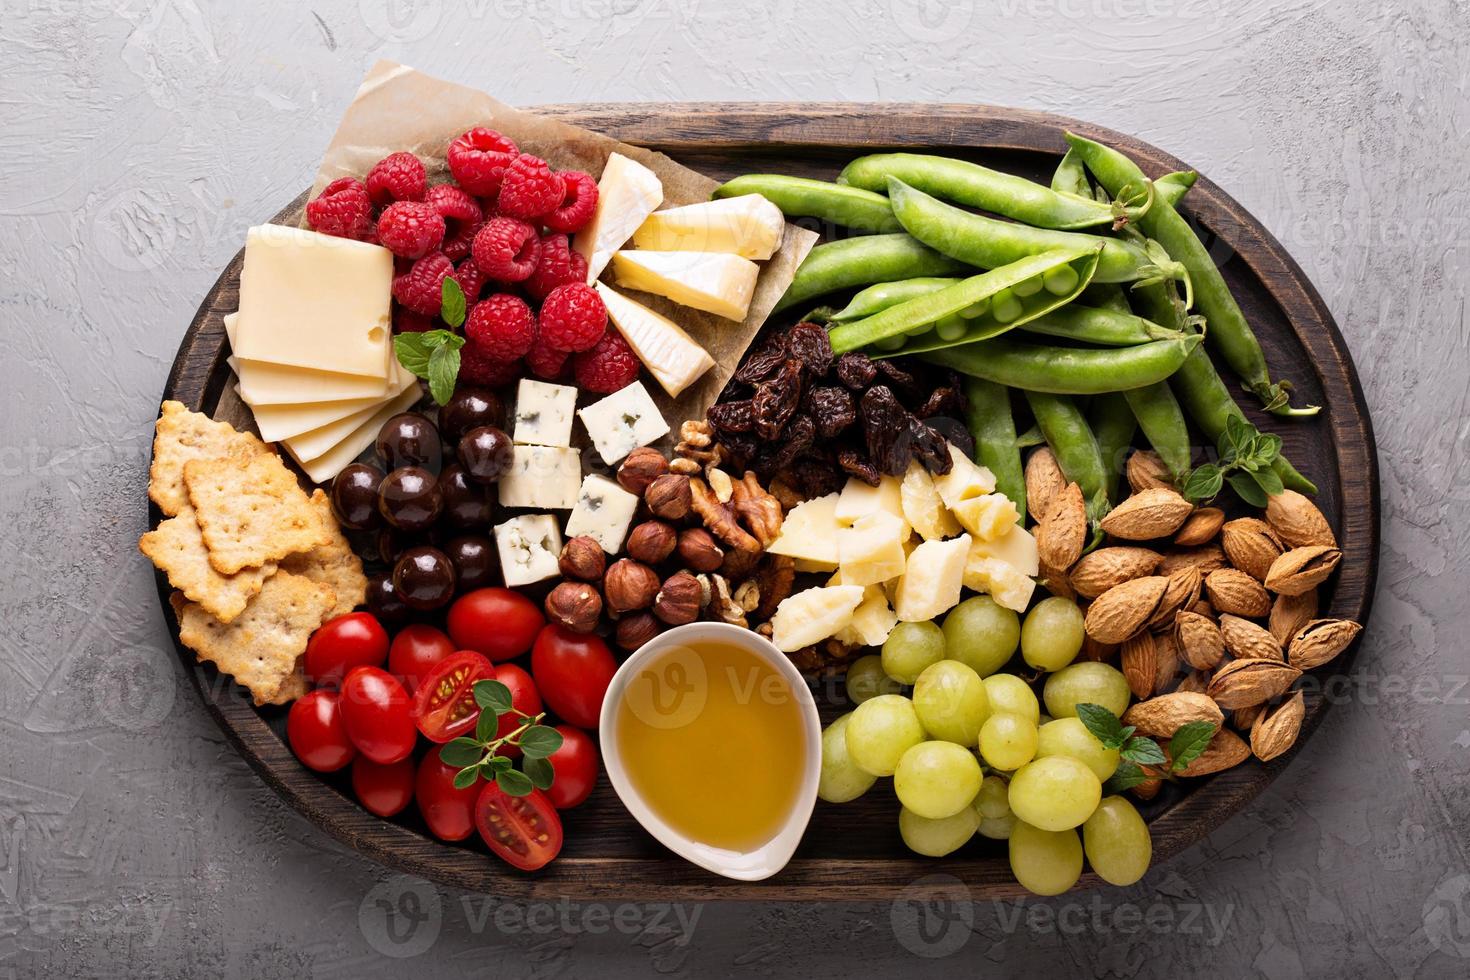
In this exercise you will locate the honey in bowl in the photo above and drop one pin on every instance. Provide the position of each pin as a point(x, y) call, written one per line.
point(711, 737)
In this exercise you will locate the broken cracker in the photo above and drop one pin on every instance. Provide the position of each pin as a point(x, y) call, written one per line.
point(177, 548)
point(251, 512)
point(180, 436)
point(262, 646)
point(294, 686)
point(334, 563)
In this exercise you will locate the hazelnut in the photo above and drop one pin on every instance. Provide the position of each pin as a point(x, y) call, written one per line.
point(669, 497)
point(652, 541)
point(575, 605)
point(629, 585)
point(678, 601)
point(636, 629)
point(582, 558)
point(699, 551)
point(641, 468)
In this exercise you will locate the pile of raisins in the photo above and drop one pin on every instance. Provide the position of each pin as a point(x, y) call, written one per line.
point(796, 411)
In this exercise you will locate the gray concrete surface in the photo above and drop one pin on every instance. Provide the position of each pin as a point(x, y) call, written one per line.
point(139, 138)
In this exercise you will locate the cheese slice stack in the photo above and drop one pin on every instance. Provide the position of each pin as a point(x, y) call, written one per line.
point(312, 344)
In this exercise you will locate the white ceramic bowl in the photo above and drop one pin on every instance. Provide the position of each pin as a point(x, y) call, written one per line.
point(770, 857)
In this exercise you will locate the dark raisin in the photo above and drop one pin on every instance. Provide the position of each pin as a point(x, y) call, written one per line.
point(904, 384)
point(886, 430)
point(856, 371)
point(801, 432)
point(739, 450)
point(761, 364)
point(853, 463)
point(776, 400)
point(734, 391)
point(814, 477)
point(945, 402)
point(832, 409)
point(954, 430)
point(732, 416)
point(930, 448)
point(808, 343)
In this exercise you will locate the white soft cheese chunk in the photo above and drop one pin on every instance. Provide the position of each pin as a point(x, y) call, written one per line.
point(809, 534)
point(544, 413)
point(627, 193)
point(544, 477)
point(529, 547)
point(603, 512)
point(813, 615)
point(623, 421)
point(711, 281)
point(932, 580)
point(675, 359)
point(749, 226)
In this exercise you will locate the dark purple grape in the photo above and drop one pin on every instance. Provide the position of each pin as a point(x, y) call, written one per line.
point(410, 439)
point(409, 498)
point(355, 496)
point(424, 578)
point(466, 503)
point(475, 561)
point(486, 453)
point(469, 408)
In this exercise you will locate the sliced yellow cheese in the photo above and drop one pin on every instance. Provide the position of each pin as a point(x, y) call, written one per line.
point(1004, 582)
point(922, 506)
point(932, 581)
point(332, 462)
point(1016, 547)
point(858, 498)
point(813, 615)
point(673, 357)
point(809, 533)
point(331, 421)
point(749, 226)
point(275, 384)
point(964, 480)
point(872, 620)
point(871, 550)
point(987, 516)
point(627, 193)
point(710, 281)
point(315, 442)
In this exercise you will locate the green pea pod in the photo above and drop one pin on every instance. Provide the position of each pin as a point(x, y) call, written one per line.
point(1107, 296)
point(1067, 370)
point(863, 261)
point(1171, 187)
point(802, 197)
point(993, 301)
point(880, 296)
point(988, 415)
point(1071, 176)
point(1162, 421)
point(1075, 446)
point(1229, 332)
point(991, 190)
point(1113, 423)
point(990, 243)
point(1093, 325)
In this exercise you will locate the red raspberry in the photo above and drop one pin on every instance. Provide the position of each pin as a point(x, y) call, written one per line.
point(578, 205)
point(410, 229)
point(478, 368)
point(457, 242)
point(397, 177)
point(608, 367)
point(342, 209)
point(421, 287)
point(453, 204)
point(502, 326)
point(554, 266)
point(471, 281)
point(545, 363)
point(407, 321)
point(573, 318)
point(506, 249)
point(478, 159)
point(530, 190)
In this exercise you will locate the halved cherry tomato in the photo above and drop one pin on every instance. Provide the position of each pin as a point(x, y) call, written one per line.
point(314, 729)
point(416, 651)
point(383, 790)
point(523, 697)
point(572, 672)
point(523, 830)
point(449, 812)
point(444, 707)
point(376, 714)
point(575, 765)
point(354, 640)
point(500, 623)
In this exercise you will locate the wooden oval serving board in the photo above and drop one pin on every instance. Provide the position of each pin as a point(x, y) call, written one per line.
point(852, 852)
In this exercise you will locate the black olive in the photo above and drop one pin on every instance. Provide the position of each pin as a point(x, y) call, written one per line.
point(355, 496)
point(424, 577)
point(409, 439)
point(469, 408)
point(466, 503)
point(409, 498)
point(486, 454)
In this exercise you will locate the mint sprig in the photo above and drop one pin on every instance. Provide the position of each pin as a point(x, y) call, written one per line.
point(478, 756)
point(434, 354)
point(1189, 742)
point(1113, 734)
point(1247, 463)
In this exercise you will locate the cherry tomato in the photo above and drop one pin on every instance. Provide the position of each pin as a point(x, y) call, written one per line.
point(572, 672)
point(575, 765)
point(383, 790)
point(377, 715)
point(444, 707)
point(449, 812)
point(523, 697)
point(524, 830)
point(314, 729)
point(500, 623)
point(416, 651)
point(354, 640)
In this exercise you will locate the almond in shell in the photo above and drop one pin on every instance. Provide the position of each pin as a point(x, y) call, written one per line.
point(1124, 609)
point(1055, 580)
point(1181, 593)
point(1166, 662)
point(1147, 789)
point(1206, 559)
point(1242, 683)
point(1063, 530)
point(1251, 546)
point(1244, 718)
point(1146, 470)
point(1139, 661)
point(1044, 480)
point(1276, 731)
point(1097, 652)
point(1164, 715)
point(1232, 591)
point(1200, 527)
point(1106, 567)
point(1199, 639)
point(1153, 513)
point(1195, 682)
point(1298, 521)
point(1301, 569)
point(1203, 608)
point(1289, 613)
point(1247, 641)
point(1320, 641)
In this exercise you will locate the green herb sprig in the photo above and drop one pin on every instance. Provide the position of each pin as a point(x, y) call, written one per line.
point(479, 756)
point(434, 354)
point(1136, 751)
point(1247, 458)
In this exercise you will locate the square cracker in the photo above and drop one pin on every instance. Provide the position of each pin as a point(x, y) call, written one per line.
point(251, 511)
point(261, 648)
point(177, 548)
point(181, 435)
point(334, 563)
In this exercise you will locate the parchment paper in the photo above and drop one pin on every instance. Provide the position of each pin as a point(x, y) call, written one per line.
point(399, 108)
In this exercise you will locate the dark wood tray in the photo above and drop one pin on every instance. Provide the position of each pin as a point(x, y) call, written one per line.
point(852, 852)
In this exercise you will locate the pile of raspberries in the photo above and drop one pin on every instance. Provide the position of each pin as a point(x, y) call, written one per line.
point(501, 228)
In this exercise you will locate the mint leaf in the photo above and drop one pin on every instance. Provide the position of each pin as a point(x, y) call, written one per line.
point(443, 372)
point(1203, 483)
point(1125, 777)
point(1246, 489)
point(495, 765)
point(540, 773)
point(461, 752)
point(451, 302)
point(492, 695)
point(1104, 725)
point(1188, 742)
point(414, 349)
point(539, 741)
point(1144, 751)
point(1236, 439)
point(514, 783)
point(465, 778)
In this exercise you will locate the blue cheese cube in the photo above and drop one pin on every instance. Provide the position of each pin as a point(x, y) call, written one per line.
point(530, 547)
point(543, 477)
point(603, 512)
point(622, 422)
point(544, 414)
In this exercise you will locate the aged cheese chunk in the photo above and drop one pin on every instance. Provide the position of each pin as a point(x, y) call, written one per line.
point(813, 615)
point(858, 498)
point(1006, 584)
point(529, 547)
point(1016, 547)
point(623, 421)
point(964, 480)
point(872, 620)
point(543, 414)
point(923, 507)
point(987, 516)
point(544, 477)
point(749, 226)
point(710, 281)
point(871, 550)
point(675, 359)
point(932, 580)
point(603, 512)
point(627, 193)
point(809, 534)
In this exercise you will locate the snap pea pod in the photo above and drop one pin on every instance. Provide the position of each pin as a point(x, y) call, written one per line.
point(984, 305)
point(880, 296)
point(1071, 176)
point(802, 197)
point(1107, 296)
point(1095, 325)
point(1066, 370)
point(1075, 446)
point(1171, 186)
point(988, 415)
point(1162, 422)
point(1229, 332)
point(863, 261)
point(991, 243)
point(1113, 424)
